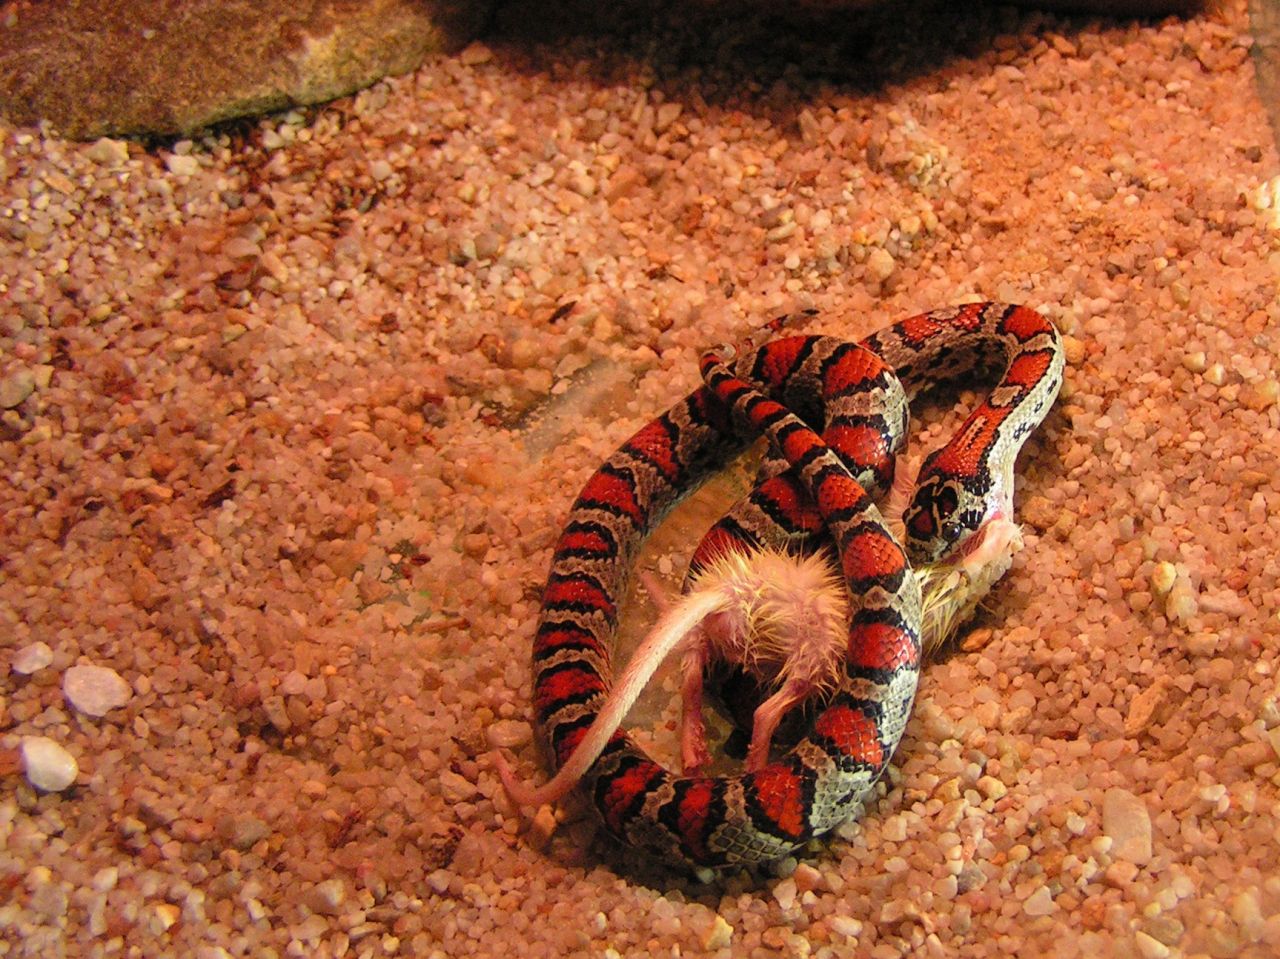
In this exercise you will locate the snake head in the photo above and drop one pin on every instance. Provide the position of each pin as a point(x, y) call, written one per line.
point(943, 514)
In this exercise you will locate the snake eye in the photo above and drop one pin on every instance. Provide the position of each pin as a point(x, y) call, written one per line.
point(963, 525)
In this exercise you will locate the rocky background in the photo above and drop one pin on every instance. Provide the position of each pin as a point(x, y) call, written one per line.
point(94, 68)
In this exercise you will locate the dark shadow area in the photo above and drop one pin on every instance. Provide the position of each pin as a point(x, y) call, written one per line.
point(758, 60)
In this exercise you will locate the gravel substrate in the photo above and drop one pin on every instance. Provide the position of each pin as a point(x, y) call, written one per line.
point(292, 416)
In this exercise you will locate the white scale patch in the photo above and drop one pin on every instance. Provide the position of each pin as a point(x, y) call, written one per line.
point(901, 689)
point(970, 432)
point(1003, 396)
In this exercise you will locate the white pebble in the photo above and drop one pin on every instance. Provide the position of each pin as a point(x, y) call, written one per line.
point(1195, 362)
point(1163, 577)
point(880, 264)
point(509, 733)
point(895, 828)
point(108, 152)
point(326, 898)
point(455, 788)
point(1181, 603)
point(846, 926)
point(32, 658)
point(1150, 947)
point(1039, 903)
point(1127, 823)
point(182, 165)
point(48, 766)
point(105, 879)
point(785, 893)
point(95, 690)
point(718, 935)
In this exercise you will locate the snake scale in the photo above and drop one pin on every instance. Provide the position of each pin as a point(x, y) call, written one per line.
point(785, 389)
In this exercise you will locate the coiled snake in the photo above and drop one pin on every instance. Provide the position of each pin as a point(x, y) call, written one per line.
point(852, 391)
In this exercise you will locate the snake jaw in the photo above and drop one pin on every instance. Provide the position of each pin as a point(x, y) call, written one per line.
point(953, 589)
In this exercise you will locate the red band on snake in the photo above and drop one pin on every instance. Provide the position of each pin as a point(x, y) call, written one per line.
point(843, 389)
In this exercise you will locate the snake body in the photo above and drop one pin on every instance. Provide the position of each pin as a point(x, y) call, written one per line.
point(719, 821)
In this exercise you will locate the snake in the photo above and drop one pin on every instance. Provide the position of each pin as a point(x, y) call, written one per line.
point(783, 388)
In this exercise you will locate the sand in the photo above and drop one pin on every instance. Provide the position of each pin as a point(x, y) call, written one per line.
point(292, 415)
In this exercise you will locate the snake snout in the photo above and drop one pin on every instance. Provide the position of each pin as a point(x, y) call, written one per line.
point(944, 521)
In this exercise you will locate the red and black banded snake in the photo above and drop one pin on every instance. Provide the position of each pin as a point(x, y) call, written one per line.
point(852, 393)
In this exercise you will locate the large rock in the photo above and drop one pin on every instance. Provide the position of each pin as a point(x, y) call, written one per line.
point(99, 67)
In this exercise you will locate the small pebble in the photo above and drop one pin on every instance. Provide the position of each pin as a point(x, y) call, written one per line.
point(49, 900)
point(165, 916)
point(16, 387)
point(880, 264)
point(48, 766)
point(241, 248)
point(785, 893)
point(667, 114)
point(107, 152)
point(894, 828)
point(182, 165)
point(509, 733)
point(95, 690)
point(243, 831)
point(1126, 822)
point(32, 658)
point(1182, 602)
point(1073, 350)
point(310, 928)
point(1149, 947)
point(992, 788)
point(456, 788)
point(543, 827)
point(1040, 903)
point(807, 878)
point(326, 898)
point(105, 879)
point(847, 926)
point(1260, 396)
point(1142, 707)
point(1163, 577)
point(718, 935)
